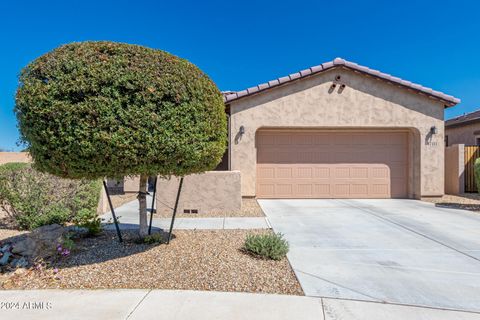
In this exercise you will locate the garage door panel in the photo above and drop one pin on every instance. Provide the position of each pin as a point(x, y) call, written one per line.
point(304, 173)
point(322, 189)
point(321, 173)
point(284, 189)
point(351, 165)
point(379, 189)
point(266, 189)
point(265, 173)
point(359, 173)
point(360, 190)
point(380, 172)
point(305, 190)
point(341, 190)
point(284, 173)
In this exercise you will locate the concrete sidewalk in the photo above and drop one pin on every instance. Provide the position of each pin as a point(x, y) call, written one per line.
point(196, 223)
point(128, 217)
point(198, 305)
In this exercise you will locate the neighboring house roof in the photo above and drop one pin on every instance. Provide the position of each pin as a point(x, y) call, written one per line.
point(464, 119)
point(449, 101)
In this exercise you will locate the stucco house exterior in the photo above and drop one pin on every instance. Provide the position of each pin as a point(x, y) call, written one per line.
point(464, 129)
point(336, 130)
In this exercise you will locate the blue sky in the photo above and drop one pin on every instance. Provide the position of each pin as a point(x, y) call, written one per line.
point(243, 43)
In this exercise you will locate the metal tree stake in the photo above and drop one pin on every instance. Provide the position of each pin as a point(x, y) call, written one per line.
point(153, 206)
point(113, 212)
point(175, 210)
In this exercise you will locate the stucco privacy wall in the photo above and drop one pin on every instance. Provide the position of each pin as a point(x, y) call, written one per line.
point(210, 192)
point(7, 157)
point(454, 169)
point(131, 184)
point(365, 103)
point(463, 134)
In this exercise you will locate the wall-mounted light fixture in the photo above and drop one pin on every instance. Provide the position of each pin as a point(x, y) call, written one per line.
point(241, 130)
point(433, 130)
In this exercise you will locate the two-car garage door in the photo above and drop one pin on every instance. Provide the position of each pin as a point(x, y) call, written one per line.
point(332, 164)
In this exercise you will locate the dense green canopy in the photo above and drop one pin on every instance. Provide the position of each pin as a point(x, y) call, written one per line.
point(97, 109)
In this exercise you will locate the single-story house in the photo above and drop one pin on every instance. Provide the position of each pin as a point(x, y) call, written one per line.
point(336, 130)
point(464, 129)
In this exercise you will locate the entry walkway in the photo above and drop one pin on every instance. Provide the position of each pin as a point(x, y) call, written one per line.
point(128, 217)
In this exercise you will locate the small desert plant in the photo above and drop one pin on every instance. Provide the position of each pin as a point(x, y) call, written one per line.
point(154, 238)
point(268, 246)
point(88, 218)
point(66, 246)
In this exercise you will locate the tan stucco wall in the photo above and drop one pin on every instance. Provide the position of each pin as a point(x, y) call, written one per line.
point(7, 157)
point(365, 103)
point(131, 184)
point(210, 192)
point(103, 202)
point(463, 134)
point(454, 169)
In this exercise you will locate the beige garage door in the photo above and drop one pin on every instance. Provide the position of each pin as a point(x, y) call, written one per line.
point(328, 164)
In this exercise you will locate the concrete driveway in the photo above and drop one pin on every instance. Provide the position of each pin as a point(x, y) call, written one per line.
point(396, 251)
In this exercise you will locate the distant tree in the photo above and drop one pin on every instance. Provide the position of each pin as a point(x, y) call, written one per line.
point(105, 109)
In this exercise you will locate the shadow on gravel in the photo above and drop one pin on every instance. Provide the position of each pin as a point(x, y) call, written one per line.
point(100, 248)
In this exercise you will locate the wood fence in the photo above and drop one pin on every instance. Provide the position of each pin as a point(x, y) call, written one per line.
point(471, 154)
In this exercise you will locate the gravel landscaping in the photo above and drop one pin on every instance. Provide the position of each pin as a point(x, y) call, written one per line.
point(194, 260)
point(465, 201)
point(250, 208)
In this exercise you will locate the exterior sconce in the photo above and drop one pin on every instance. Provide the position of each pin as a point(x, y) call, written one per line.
point(242, 130)
point(433, 130)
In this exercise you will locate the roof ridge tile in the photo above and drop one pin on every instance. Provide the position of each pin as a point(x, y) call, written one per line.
point(338, 62)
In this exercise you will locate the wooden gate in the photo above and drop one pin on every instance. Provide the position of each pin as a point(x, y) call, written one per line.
point(471, 154)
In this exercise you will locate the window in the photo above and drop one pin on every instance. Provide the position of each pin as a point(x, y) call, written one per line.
point(446, 141)
point(477, 140)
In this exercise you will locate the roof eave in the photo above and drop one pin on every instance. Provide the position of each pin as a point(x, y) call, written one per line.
point(449, 101)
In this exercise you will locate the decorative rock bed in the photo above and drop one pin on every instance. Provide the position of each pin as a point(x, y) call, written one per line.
point(194, 260)
point(20, 251)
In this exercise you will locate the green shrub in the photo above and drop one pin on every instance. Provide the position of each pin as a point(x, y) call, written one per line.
point(88, 218)
point(477, 173)
point(154, 238)
point(33, 199)
point(68, 243)
point(271, 246)
point(106, 109)
point(55, 213)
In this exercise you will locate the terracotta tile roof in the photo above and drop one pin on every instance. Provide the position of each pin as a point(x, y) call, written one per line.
point(336, 63)
point(463, 119)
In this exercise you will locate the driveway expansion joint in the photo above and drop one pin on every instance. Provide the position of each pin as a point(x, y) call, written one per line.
point(138, 304)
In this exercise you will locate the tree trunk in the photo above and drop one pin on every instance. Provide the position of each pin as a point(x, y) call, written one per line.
point(142, 199)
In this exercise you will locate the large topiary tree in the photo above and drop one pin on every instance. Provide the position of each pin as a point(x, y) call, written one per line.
point(104, 109)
